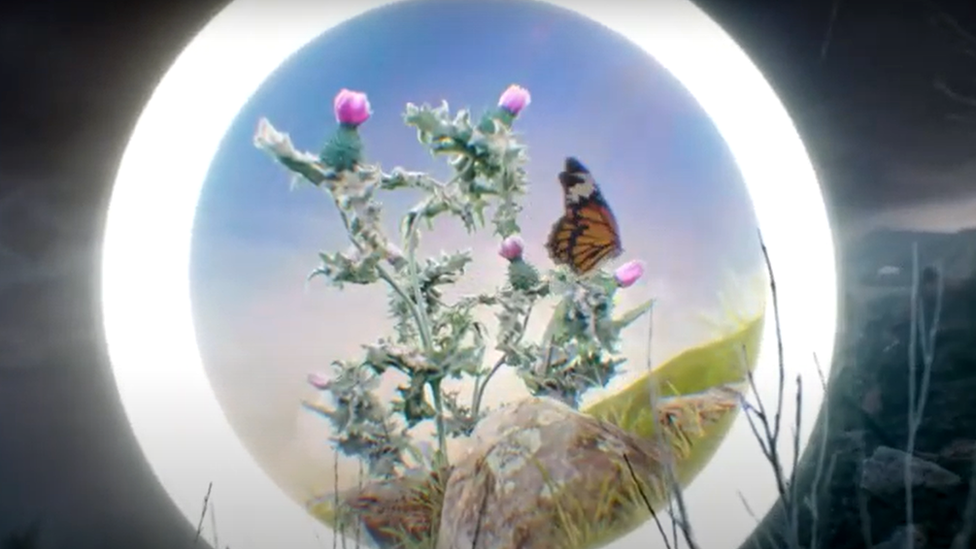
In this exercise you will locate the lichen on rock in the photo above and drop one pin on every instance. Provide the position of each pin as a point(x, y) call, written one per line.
point(538, 474)
point(542, 475)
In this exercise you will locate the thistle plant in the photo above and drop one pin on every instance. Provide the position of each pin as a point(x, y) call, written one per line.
point(435, 339)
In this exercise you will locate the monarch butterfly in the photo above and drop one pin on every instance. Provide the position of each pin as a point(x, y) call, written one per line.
point(586, 235)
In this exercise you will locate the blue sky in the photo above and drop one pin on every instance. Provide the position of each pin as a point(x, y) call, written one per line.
point(678, 196)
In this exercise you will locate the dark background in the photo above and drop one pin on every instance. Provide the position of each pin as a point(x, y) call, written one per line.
point(884, 94)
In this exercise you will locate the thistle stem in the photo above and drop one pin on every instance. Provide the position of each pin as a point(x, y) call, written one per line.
point(423, 326)
point(441, 458)
point(423, 323)
point(388, 278)
point(481, 384)
point(479, 389)
point(391, 282)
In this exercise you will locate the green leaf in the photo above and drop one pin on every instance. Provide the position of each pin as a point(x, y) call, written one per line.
point(632, 315)
point(347, 268)
point(556, 329)
point(432, 123)
point(313, 172)
point(413, 402)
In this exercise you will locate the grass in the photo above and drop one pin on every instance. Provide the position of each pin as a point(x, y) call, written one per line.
point(695, 436)
point(695, 370)
point(418, 511)
point(619, 506)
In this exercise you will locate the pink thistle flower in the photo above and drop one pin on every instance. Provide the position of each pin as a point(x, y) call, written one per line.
point(514, 99)
point(318, 381)
point(351, 107)
point(511, 248)
point(628, 273)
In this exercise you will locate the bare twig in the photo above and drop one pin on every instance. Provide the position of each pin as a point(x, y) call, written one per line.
point(671, 487)
point(203, 513)
point(213, 526)
point(767, 435)
point(835, 7)
point(912, 365)
point(965, 534)
point(779, 334)
point(758, 416)
point(794, 499)
point(679, 516)
point(768, 443)
point(964, 99)
point(922, 337)
point(674, 524)
point(956, 28)
point(813, 502)
point(928, 346)
point(745, 504)
point(652, 392)
point(862, 502)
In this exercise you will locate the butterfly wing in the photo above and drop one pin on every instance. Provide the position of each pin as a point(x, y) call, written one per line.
point(597, 241)
point(561, 240)
point(587, 234)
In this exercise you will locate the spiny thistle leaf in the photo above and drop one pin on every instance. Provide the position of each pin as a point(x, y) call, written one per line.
point(434, 337)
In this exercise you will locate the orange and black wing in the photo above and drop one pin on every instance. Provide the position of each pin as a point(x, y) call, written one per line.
point(586, 235)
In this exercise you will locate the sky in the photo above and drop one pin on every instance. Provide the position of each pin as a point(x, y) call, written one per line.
point(680, 203)
point(889, 147)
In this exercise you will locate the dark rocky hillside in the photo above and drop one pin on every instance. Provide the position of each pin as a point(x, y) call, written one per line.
point(861, 495)
point(884, 257)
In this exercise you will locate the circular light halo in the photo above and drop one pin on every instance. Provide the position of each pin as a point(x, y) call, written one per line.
point(167, 397)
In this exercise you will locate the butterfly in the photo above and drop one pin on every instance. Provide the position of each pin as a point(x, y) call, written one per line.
point(586, 235)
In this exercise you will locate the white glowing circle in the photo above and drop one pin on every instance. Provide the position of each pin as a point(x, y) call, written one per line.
point(146, 291)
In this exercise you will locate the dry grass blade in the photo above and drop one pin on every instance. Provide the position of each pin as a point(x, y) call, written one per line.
point(340, 531)
point(213, 526)
point(813, 501)
point(481, 516)
point(679, 516)
point(647, 502)
point(794, 499)
point(203, 513)
point(745, 504)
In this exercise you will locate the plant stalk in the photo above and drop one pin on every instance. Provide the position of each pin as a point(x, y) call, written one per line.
point(426, 338)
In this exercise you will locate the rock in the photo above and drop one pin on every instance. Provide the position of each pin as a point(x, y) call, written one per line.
point(855, 439)
point(883, 473)
point(583, 454)
point(960, 449)
point(871, 402)
point(899, 538)
point(541, 475)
